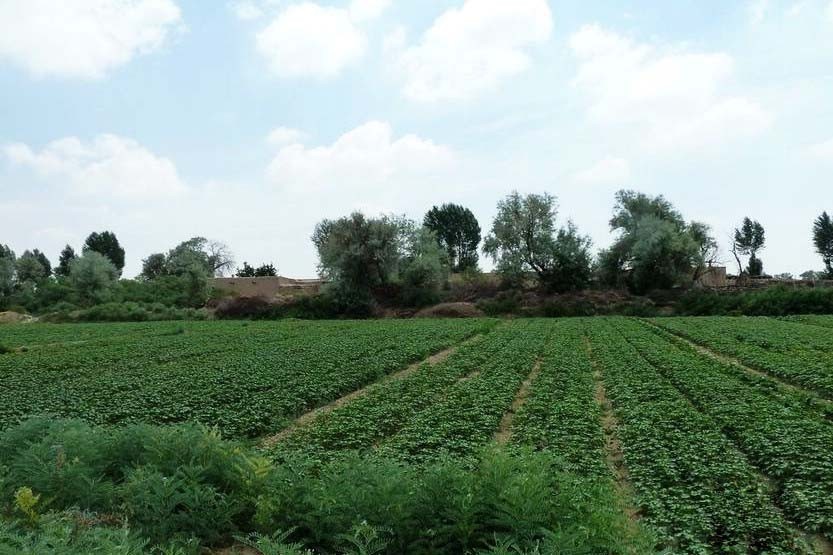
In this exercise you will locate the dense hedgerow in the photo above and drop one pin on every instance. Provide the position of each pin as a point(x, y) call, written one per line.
point(773, 301)
point(72, 485)
point(125, 312)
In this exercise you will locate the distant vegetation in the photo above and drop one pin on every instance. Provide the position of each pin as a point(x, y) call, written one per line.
point(389, 262)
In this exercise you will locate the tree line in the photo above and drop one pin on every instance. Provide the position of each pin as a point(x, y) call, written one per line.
point(178, 278)
point(397, 260)
point(654, 248)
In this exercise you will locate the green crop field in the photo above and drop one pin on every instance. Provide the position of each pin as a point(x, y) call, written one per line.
point(602, 435)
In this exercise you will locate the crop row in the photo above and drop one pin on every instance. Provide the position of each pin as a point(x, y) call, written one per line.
point(692, 484)
point(561, 414)
point(810, 320)
point(470, 411)
point(795, 352)
point(248, 379)
point(783, 437)
point(563, 419)
point(387, 406)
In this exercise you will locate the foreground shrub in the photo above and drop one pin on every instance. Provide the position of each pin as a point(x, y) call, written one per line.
point(183, 487)
point(171, 482)
point(71, 534)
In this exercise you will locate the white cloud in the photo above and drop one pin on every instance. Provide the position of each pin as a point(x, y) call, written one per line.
point(606, 171)
point(674, 97)
point(822, 151)
point(83, 39)
point(830, 12)
point(471, 49)
point(797, 8)
point(366, 10)
point(282, 136)
point(109, 165)
point(246, 10)
point(308, 40)
point(758, 11)
point(367, 158)
point(395, 40)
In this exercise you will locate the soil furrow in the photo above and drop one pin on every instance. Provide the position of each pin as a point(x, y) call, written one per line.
point(504, 432)
point(614, 454)
point(770, 485)
point(735, 363)
point(308, 417)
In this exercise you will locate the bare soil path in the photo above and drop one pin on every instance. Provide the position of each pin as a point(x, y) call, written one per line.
point(504, 432)
point(614, 455)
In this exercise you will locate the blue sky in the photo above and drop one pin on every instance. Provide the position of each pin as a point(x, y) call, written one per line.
point(249, 121)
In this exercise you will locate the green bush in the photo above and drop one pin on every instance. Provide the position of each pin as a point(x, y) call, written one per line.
point(171, 483)
point(563, 309)
point(642, 308)
point(183, 487)
point(505, 302)
point(72, 533)
point(772, 301)
point(323, 306)
point(125, 312)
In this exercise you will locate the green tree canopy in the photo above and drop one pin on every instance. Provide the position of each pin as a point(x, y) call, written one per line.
point(748, 239)
point(30, 269)
point(812, 275)
point(707, 248)
point(457, 232)
point(64, 261)
point(362, 255)
point(93, 276)
point(524, 239)
point(264, 270)
point(823, 240)
point(655, 247)
point(44, 261)
point(423, 268)
point(7, 273)
point(245, 271)
point(154, 266)
point(107, 244)
point(213, 256)
point(360, 252)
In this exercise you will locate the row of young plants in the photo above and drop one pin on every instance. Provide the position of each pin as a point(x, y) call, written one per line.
point(470, 411)
point(794, 352)
point(692, 485)
point(561, 414)
point(784, 437)
point(43, 335)
point(562, 417)
point(387, 406)
point(811, 320)
point(247, 379)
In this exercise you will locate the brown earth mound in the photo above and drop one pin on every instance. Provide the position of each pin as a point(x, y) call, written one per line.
point(451, 310)
point(15, 318)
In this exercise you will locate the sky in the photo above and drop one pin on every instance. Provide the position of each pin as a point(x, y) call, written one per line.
point(249, 121)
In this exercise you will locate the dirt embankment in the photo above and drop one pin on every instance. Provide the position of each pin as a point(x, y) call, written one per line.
point(16, 318)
